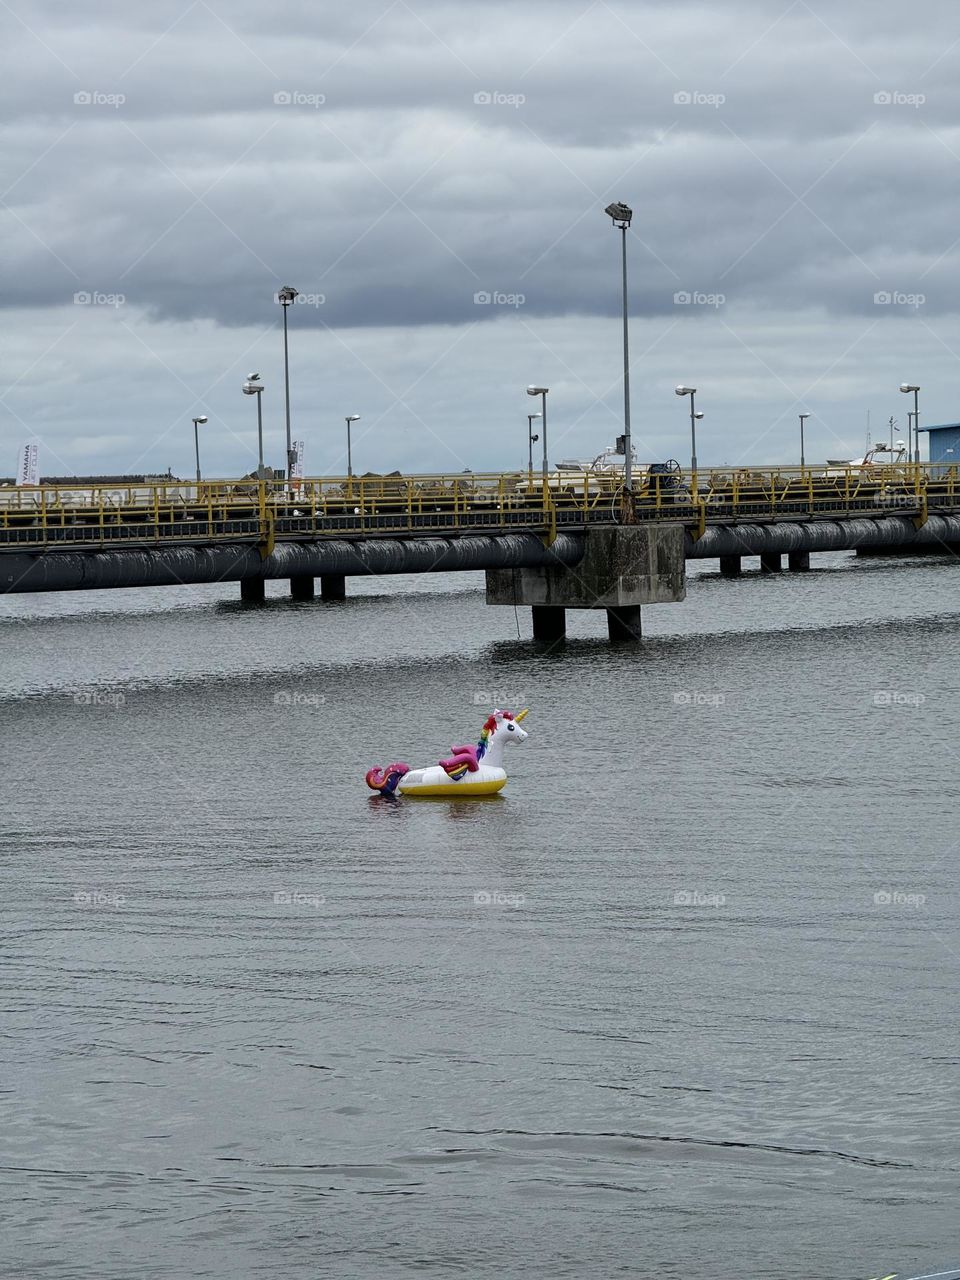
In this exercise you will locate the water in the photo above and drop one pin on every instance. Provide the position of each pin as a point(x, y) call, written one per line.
point(257, 1022)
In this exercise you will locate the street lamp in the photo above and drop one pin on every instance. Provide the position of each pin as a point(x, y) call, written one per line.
point(285, 296)
point(621, 215)
point(694, 416)
point(542, 393)
point(803, 417)
point(906, 388)
point(254, 387)
point(530, 439)
point(351, 417)
point(196, 441)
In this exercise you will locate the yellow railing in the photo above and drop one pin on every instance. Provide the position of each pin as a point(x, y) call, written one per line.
point(261, 512)
point(253, 511)
point(737, 494)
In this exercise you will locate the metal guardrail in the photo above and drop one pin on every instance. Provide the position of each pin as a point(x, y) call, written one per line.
point(264, 511)
point(261, 512)
point(723, 495)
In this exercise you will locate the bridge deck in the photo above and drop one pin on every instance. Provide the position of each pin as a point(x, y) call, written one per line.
point(248, 512)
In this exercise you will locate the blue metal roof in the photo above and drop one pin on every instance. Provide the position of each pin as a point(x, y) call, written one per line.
point(944, 426)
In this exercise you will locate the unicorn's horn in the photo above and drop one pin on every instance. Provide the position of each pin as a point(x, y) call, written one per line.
point(520, 714)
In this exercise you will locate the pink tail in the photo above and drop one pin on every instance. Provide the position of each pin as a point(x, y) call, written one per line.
point(385, 780)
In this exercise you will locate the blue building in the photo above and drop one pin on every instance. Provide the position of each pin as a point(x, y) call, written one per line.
point(944, 445)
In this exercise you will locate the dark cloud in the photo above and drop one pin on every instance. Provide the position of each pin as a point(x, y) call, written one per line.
point(397, 162)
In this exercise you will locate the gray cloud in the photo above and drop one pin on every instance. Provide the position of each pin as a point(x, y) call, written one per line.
point(798, 162)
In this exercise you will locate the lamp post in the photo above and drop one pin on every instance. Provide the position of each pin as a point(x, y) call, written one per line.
point(906, 388)
point(285, 296)
point(530, 440)
point(621, 215)
point(542, 393)
point(196, 442)
point(803, 417)
point(694, 416)
point(350, 418)
point(254, 387)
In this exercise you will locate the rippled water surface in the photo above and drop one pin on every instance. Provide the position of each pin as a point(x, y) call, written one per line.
point(682, 1002)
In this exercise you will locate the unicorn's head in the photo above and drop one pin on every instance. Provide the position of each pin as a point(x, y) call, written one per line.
point(499, 729)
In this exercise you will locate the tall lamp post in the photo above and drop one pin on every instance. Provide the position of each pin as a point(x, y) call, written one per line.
point(803, 418)
point(285, 296)
point(694, 418)
point(542, 393)
point(530, 441)
point(621, 215)
point(350, 418)
point(254, 387)
point(196, 441)
point(906, 388)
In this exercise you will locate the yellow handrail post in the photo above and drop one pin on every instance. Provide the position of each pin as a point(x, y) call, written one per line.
point(262, 509)
point(921, 519)
point(550, 514)
point(700, 527)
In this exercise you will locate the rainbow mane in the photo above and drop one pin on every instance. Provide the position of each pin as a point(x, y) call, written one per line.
point(489, 727)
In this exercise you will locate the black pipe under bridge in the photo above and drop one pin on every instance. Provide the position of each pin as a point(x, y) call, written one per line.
point(334, 559)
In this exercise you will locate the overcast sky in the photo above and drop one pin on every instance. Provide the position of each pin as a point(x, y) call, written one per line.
point(794, 170)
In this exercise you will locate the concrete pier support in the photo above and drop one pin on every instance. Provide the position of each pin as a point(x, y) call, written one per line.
point(624, 624)
point(622, 568)
point(549, 623)
point(771, 562)
point(253, 590)
point(798, 561)
point(333, 586)
point(301, 587)
point(730, 566)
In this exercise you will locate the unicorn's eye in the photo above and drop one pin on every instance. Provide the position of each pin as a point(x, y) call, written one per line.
point(510, 727)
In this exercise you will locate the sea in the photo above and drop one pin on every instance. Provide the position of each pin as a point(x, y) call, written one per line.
point(680, 1002)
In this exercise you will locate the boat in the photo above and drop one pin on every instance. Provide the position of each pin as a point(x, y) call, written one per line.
point(898, 456)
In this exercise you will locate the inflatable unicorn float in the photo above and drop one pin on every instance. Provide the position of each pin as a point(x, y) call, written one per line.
point(470, 771)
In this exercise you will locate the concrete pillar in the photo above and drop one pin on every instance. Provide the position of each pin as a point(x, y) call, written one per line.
point(798, 561)
point(301, 587)
point(252, 590)
point(771, 562)
point(333, 586)
point(622, 568)
point(624, 623)
point(549, 623)
point(730, 566)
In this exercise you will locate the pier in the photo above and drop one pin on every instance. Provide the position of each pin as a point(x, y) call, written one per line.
point(570, 541)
